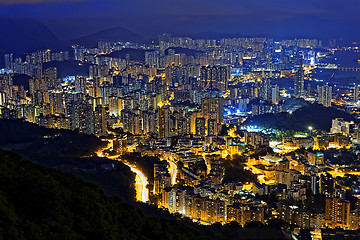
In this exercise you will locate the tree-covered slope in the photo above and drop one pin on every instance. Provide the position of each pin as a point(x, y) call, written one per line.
point(41, 203)
point(315, 115)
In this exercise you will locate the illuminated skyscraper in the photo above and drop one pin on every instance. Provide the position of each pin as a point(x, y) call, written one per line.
point(212, 128)
point(51, 78)
point(164, 122)
point(80, 84)
point(337, 213)
point(275, 96)
point(299, 83)
point(200, 126)
point(356, 93)
point(57, 102)
point(213, 108)
point(100, 121)
point(324, 95)
point(214, 77)
point(9, 59)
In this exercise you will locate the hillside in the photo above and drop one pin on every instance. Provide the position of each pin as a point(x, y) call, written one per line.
point(135, 54)
point(26, 35)
point(40, 203)
point(315, 115)
point(65, 151)
point(21, 80)
point(63, 143)
point(69, 68)
point(116, 34)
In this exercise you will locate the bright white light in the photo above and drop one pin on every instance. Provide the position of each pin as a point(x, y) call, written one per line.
point(312, 61)
point(253, 129)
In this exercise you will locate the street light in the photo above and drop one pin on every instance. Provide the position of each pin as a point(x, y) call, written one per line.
point(310, 128)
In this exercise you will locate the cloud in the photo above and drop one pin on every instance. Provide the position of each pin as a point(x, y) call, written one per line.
point(15, 2)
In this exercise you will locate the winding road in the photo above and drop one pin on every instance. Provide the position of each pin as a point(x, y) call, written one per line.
point(142, 192)
point(173, 172)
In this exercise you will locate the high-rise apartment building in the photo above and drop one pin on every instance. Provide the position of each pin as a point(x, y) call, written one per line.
point(356, 93)
point(164, 122)
point(337, 213)
point(100, 121)
point(324, 95)
point(213, 108)
point(275, 94)
point(214, 77)
point(299, 83)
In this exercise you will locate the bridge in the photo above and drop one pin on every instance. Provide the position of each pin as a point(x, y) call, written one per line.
point(353, 69)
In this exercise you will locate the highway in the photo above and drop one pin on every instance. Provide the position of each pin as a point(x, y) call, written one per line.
point(142, 192)
point(173, 172)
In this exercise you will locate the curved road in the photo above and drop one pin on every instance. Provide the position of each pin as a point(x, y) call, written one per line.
point(142, 192)
point(173, 171)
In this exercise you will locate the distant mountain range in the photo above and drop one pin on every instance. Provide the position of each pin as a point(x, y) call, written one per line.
point(21, 36)
point(215, 35)
point(111, 34)
point(26, 35)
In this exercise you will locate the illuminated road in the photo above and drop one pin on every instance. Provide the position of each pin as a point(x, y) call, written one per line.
point(173, 172)
point(142, 193)
point(100, 153)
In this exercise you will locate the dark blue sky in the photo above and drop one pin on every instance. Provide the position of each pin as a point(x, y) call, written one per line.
point(72, 18)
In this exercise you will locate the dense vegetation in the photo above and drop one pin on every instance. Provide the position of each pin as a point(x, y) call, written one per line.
point(342, 157)
point(65, 150)
point(235, 172)
point(314, 203)
point(40, 203)
point(62, 142)
point(317, 116)
point(69, 68)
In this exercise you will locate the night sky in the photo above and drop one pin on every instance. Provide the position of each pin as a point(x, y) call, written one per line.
point(283, 18)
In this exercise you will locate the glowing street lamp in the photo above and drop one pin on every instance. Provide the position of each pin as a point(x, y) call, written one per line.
point(310, 129)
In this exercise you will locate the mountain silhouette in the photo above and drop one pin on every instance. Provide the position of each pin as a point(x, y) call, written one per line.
point(112, 34)
point(21, 36)
point(26, 35)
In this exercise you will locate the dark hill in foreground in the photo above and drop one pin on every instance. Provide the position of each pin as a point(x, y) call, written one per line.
point(54, 142)
point(40, 203)
point(315, 115)
point(65, 151)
